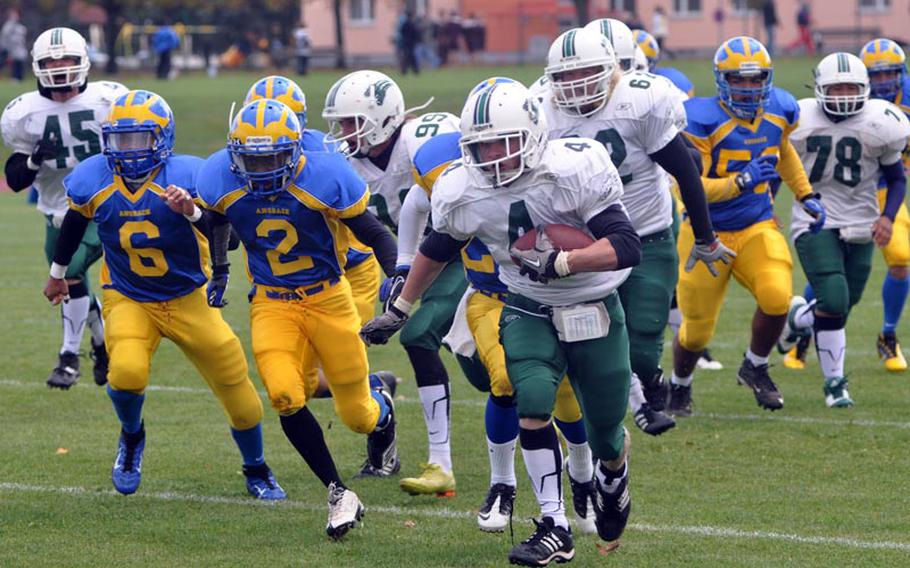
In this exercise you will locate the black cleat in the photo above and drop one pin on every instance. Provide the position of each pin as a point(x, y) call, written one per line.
point(653, 422)
point(656, 391)
point(66, 373)
point(680, 400)
point(548, 543)
point(98, 354)
point(382, 450)
point(496, 512)
point(757, 378)
point(583, 498)
point(613, 511)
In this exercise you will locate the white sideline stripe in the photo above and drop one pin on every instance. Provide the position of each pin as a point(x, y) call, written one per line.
point(704, 530)
point(865, 423)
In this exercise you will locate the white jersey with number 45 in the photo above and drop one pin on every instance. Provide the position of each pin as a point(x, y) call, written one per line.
point(75, 126)
point(389, 187)
point(574, 182)
point(844, 159)
point(644, 113)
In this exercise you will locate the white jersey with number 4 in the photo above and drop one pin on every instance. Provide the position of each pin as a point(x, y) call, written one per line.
point(573, 183)
point(74, 124)
point(644, 113)
point(844, 159)
point(389, 187)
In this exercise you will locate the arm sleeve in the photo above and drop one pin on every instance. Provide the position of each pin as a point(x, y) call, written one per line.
point(18, 175)
point(371, 232)
point(71, 233)
point(219, 234)
point(676, 159)
point(441, 247)
point(413, 219)
point(614, 225)
point(897, 188)
point(792, 171)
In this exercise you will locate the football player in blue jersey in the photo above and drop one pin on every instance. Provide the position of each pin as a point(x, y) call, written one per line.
point(742, 135)
point(474, 339)
point(649, 47)
point(155, 264)
point(287, 206)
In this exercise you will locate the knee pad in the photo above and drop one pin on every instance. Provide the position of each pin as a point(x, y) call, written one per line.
point(695, 335)
point(833, 294)
point(356, 407)
point(129, 367)
point(241, 403)
point(773, 296)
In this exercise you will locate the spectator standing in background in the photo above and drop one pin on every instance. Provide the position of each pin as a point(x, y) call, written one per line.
point(302, 48)
point(407, 38)
point(12, 40)
point(426, 49)
point(804, 23)
point(471, 30)
point(660, 29)
point(164, 42)
point(769, 15)
point(453, 31)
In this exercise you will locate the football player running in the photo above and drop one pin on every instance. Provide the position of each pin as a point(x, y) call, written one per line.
point(155, 264)
point(509, 181)
point(286, 206)
point(474, 339)
point(847, 142)
point(366, 114)
point(637, 117)
point(50, 131)
point(743, 137)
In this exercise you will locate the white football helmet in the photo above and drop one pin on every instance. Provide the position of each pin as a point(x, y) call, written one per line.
point(60, 43)
point(641, 60)
point(581, 48)
point(836, 69)
point(373, 100)
point(621, 39)
point(506, 112)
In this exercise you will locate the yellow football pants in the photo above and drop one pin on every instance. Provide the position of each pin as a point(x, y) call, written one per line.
point(763, 266)
point(134, 329)
point(365, 279)
point(483, 319)
point(897, 252)
point(327, 320)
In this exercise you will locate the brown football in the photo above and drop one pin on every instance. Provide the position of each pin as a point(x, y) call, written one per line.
point(563, 237)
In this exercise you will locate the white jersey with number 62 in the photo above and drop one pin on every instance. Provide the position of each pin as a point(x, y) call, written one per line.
point(75, 126)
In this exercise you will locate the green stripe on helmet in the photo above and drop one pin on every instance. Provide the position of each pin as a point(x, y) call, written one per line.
point(568, 44)
point(57, 36)
point(607, 30)
point(330, 101)
point(843, 64)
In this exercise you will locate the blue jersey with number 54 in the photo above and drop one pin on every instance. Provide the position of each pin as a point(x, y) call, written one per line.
point(151, 254)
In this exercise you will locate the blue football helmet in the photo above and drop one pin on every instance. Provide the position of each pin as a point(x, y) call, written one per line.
point(264, 145)
point(138, 134)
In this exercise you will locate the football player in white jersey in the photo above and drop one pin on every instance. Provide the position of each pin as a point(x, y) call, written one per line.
point(50, 131)
point(846, 141)
point(511, 180)
point(365, 112)
point(638, 118)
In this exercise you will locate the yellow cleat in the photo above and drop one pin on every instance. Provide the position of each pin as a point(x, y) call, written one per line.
point(432, 480)
point(792, 361)
point(889, 349)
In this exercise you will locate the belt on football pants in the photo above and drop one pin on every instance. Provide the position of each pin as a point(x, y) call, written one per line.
point(529, 306)
point(292, 294)
point(501, 296)
point(666, 234)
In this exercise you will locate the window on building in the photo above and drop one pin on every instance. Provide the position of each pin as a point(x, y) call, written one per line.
point(362, 11)
point(686, 7)
point(740, 7)
point(622, 6)
point(874, 5)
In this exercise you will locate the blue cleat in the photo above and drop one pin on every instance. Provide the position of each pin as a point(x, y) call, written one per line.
point(261, 483)
point(127, 471)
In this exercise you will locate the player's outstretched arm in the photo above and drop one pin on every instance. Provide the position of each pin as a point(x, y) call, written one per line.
point(71, 232)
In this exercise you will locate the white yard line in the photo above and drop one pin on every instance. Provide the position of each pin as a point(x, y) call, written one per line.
point(859, 422)
point(696, 530)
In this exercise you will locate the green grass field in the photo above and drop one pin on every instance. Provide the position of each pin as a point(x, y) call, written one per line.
point(731, 486)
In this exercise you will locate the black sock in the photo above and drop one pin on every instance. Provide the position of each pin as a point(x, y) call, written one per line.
point(305, 433)
point(428, 367)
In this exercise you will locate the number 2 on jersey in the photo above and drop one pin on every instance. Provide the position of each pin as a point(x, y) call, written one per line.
point(284, 246)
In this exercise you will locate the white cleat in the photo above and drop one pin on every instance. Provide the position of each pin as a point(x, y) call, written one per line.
point(345, 511)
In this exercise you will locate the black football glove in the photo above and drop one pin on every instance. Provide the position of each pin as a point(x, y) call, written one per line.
point(378, 330)
point(45, 149)
point(538, 263)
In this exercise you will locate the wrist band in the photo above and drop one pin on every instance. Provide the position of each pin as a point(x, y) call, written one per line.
point(58, 271)
point(403, 305)
point(32, 165)
point(196, 215)
point(562, 263)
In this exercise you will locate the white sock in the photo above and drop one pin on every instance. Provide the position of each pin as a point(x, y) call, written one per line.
point(75, 312)
point(545, 470)
point(581, 464)
point(610, 487)
point(755, 359)
point(502, 462)
point(831, 345)
point(95, 323)
point(435, 400)
point(804, 318)
point(674, 320)
point(681, 381)
point(636, 396)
